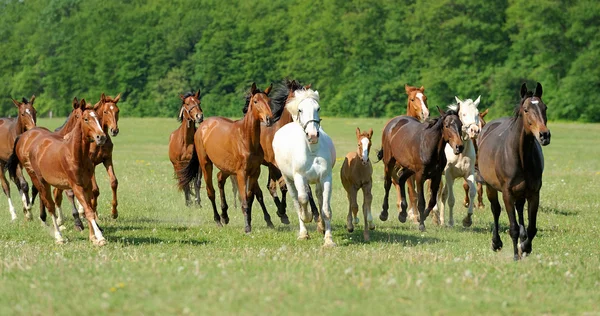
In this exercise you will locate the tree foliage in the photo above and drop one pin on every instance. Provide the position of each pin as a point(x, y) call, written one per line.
point(357, 53)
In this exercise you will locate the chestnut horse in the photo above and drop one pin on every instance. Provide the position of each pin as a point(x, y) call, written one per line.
point(415, 148)
point(478, 178)
point(356, 174)
point(62, 162)
point(10, 128)
point(511, 161)
point(234, 148)
point(181, 142)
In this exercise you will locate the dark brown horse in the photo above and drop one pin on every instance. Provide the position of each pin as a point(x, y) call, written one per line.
point(415, 148)
point(234, 148)
point(181, 142)
point(62, 162)
point(511, 161)
point(10, 128)
point(478, 178)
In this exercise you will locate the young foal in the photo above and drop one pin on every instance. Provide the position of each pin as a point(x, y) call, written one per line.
point(356, 174)
point(463, 164)
point(511, 161)
point(10, 128)
point(181, 142)
point(234, 147)
point(62, 162)
point(417, 149)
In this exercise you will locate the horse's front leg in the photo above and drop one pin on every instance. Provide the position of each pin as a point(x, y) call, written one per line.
point(84, 195)
point(301, 184)
point(421, 200)
point(326, 213)
point(58, 202)
point(114, 184)
point(221, 180)
point(387, 183)
point(257, 192)
point(243, 186)
point(303, 233)
point(468, 220)
point(366, 208)
point(404, 175)
point(509, 204)
point(533, 203)
point(6, 189)
point(75, 212)
point(352, 207)
point(450, 196)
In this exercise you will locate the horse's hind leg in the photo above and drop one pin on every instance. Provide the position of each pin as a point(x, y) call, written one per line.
point(387, 183)
point(58, 202)
point(207, 169)
point(434, 187)
point(451, 200)
point(480, 195)
point(402, 177)
point(114, 184)
point(519, 205)
point(311, 201)
point(221, 180)
point(24, 191)
point(186, 194)
point(303, 233)
point(197, 185)
point(74, 211)
point(34, 193)
point(244, 184)
point(272, 181)
point(492, 195)
point(413, 212)
point(466, 188)
point(468, 221)
point(6, 188)
point(259, 197)
point(46, 199)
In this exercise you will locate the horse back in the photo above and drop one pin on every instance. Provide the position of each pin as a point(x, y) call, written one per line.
point(403, 141)
point(8, 134)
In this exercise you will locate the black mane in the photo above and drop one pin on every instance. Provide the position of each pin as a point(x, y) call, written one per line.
point(278, 96)
point(440, 119)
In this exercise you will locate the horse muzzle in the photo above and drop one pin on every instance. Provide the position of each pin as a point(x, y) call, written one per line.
point(199, 118)
point(544, 138)
point(100, 139)
point(268, 121)
point(114, 132)
point(458, 149)
point(313, 138)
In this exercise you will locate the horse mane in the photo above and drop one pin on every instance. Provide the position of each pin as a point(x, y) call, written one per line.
point(299, 96)
point(63, 124)
point(517, 110)
point(185, 96)
point(280, 95)
point(438, 120)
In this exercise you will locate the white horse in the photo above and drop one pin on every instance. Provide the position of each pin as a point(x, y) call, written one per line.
point(462, 165)
point(305, 155)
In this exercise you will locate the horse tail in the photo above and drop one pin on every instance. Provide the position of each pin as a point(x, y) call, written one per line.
point(190, 172)
point(13, 162)
point(379, 155)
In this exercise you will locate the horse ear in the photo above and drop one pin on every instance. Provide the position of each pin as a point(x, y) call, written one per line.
point(476, 103)
point(117, 98)
point(198, 94)
point(268, 90)
point(25, 100)
point(458, 101)
point(253, 88)
point(407, 88)
point(75, 103)
point(15, 102)
point(82, 104)
point(422, 89)
point(370, 133)
point(357, 133)
point(538, 90)
point(484, 113)
point(32, 98)
point(523, 90)
point(442, 113)
point(102, 97)
point(306, 87)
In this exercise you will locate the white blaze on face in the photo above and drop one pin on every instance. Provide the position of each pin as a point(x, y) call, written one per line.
point(92, 114)
point(423, 106)
point(309, 113)
point(112, 107)
point(535, 101)
point(27, 111)
point(365, 149)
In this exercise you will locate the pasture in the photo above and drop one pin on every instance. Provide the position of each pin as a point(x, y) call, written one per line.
point(164, 257)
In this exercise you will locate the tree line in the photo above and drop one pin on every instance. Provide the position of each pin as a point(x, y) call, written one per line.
point(359, 54)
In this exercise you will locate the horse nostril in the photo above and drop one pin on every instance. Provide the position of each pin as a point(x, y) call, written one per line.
point(317, 134)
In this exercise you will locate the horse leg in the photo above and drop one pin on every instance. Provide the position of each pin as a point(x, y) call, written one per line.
point(85, 196)
point(451, 201)
point(519, 205)
point(387, 183)
point(95, 195)
point(197, 184)
point(46, 199)
point(413, 212)
point(207, 168)
point(492, 195)
point(74, 211)
point(468, 221)
point(421, 200)
point(6, 189)
point(235, 192)
point(24, 191)
point(273, 179)
point(319, 220)
point(351, 192)
point(480, 195)
point(114, 184)
point(300, 184)
point(34, 193)
point(186, 194)
point(324, 193)
point(57, 204)
point(434, 186)
point(221, 180)
point(303, 233)
point(313, 207)
point(284, 189)
point(533, 203)
point(439, 208)
point(259, 197)
point(466, 188)
point(366, 208)
point(509, 204)
point(243, 182)
point(404, 175)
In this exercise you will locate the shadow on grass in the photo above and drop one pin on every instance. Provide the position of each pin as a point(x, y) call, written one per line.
point(139, 240)
point(557, 211)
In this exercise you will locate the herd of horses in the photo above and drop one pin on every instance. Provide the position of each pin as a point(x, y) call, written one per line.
point(281, 129)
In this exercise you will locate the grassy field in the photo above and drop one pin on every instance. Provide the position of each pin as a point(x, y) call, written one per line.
point(166, 258)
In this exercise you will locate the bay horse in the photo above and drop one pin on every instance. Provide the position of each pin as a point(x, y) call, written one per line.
point(10, 129)
point(511, 161)
point(415, 148)
point(305, 155)
point(416, 106)
point(234, 148)
point(181, 141)
point(62, 162)
point(461, 165)
point(478, 179)
point(356, 174)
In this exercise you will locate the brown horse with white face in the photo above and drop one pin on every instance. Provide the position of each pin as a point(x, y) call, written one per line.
point(64, 163)
point(181, 141)
point(356, 174)
point(234, 148)
point(10, 128)
point(413, 148)
point(511, 161)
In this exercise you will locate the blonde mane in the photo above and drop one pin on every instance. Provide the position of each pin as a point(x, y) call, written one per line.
point(299, 96)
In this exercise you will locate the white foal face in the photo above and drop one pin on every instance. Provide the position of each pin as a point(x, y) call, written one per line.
point(364, 146)
point(309, 119)
point(469, 116)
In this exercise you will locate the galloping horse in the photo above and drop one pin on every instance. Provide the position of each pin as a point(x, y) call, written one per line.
point(416, 107)
point(62, 162)
point(305, 155)
point(511, 161)
point(10, 128)
point(478, 178)
point(181, 142)
point(234, 147)
point(356, 174)
point(417, 149)
point(463, 164)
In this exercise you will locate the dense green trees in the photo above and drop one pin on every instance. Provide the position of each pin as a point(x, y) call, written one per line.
point(357, 53)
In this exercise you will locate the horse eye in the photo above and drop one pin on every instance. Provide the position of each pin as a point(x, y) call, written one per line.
point(299, 111)
point(85, 119)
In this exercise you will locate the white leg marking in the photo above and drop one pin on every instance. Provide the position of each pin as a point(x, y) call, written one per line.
point(11, 209)
point(57, 235)
point(24, 199)
point(97, 231)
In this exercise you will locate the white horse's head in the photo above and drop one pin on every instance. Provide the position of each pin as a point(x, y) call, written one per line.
point(304, 108)
point(469, 116)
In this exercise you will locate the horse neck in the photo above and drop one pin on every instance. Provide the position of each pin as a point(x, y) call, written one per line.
point(69, 125)
point(435, 142)
point(80, 147)
point(188, 129)
point(410, 111)
point(19, 126)
point(524, 142)
point(251, 130)
point(286, 117)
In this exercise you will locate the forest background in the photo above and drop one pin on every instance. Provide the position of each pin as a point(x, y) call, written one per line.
point(358, 54)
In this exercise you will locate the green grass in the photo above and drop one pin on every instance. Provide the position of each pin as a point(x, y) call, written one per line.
point(165, 258)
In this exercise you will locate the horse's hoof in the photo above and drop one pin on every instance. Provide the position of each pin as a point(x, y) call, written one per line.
point(366, 236)
point(466, 204)
point(356, 221)
point(285, 220)
point(481, 206)
point(28, 217)
point(270, 225)
point(329, 243)
point(115, 215)
point(62, 227)
point(60, 241)
point(383, 216)
point(497, 246)
point(248, 229)
point(99, 243)
point(303, 236)
point(350, 229)
point(467, 221)
point(371, 226)
point(402, 217)
point(219, 224)
point(224, 220)
point(422, 227)
point(451, 223)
